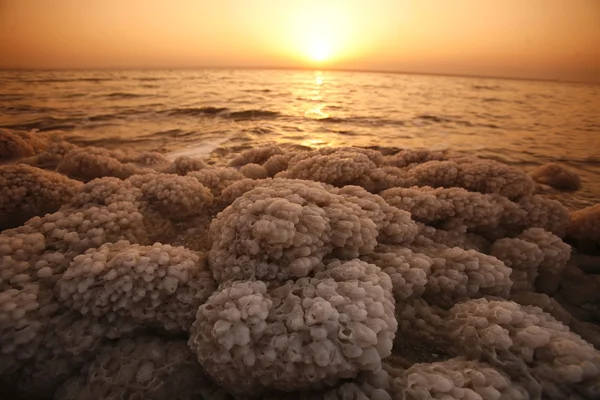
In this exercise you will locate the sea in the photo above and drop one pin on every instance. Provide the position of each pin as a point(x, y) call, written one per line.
point(195, 112)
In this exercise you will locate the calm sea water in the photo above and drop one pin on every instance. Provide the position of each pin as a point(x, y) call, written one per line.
point(518, 122)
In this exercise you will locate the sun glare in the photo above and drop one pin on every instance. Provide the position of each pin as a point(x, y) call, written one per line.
point(319, 51)
point(319, 34)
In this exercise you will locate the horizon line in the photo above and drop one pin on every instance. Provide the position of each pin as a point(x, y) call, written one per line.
point(306, 68)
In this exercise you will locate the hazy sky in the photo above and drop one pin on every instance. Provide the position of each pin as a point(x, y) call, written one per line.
point(548, 39)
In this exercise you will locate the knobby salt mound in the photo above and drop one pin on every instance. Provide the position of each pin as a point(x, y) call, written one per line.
point(338, 273)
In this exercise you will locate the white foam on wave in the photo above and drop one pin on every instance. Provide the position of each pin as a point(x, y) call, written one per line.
point(200, 150)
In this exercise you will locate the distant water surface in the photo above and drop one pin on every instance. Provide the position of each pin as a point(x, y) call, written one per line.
point(522, 123)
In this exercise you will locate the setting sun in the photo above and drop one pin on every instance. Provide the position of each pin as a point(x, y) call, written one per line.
point(318, 33)
point(319, 51)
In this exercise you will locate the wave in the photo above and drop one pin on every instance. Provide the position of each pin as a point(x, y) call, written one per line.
point(251, 114)
point(74, 95)
point(434, 118)
point(25, 109)
point(347, 133)
point(178, 133)
point(46, 124)
point(202, 149)
point(491, 100)
point(50, 123)
point(362, 121)
point(223, 112)
point(438, 119)
point(257, 90)
point(334, 120)
point(65, 80)
point(122, 95)
point(119, 115)
point(100, 117)
point(193, 112)
point(11, 97)
point(486, 87)
point(592, 159)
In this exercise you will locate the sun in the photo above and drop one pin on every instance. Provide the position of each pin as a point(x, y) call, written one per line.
point(319, 50)
point(317, 32)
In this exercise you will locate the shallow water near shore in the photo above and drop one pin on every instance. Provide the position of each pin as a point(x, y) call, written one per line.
point(521, 123)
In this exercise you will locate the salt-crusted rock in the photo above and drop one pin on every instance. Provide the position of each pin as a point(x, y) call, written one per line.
point(173, 195)
point(277, 163)
point(251, 336)
point(15, 143)
point(557, 176)
point(523, 257)
point(408, 270)
point(184, 165)
point(338, 167)
point(458, 274)
point(145, 368)
point(555, 253)
point(254, 171)
point(450, 206)
point(584, 226)
point(43, 248)
point(105, 191)
point(27, 191)
point(317, 280)
point(456, 378)
point(157, 285)
point(525, 338)
point(536, 256)
point(257, 155)
point(412, 157)
point(93, 162)
point(547, 214)
point(66, 341)
point(285, 228)
point(216, 179)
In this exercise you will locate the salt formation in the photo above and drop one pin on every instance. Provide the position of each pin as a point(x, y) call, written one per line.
point(88, 164)
point(254, 335)
point(15, 144)
point(173, 195)
point(216, 179)
point(284, 228)
point(157, 285)
point(454, 379)
point(255, 156)
point(534, 252)
point(557, 176)
point(183, 165)
point(254, 171)
point(337, 273)
point(145, 368)
point(27, 191)
point(585, 227)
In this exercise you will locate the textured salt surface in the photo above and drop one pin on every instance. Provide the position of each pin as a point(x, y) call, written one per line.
point(345, 273)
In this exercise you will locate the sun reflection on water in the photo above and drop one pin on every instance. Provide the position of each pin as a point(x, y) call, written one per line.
point(316, 95)
point(318, 78)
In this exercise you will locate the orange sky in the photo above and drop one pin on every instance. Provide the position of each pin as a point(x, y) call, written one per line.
point(546, 39)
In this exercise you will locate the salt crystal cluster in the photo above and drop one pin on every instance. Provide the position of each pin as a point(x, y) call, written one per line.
point(145, 368)
point(294, 335)
point(287, 273)
point(284, 228)
point(157, 285)
point(27, 191)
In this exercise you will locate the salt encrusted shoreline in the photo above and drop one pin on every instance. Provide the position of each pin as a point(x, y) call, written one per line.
point(333, 273)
